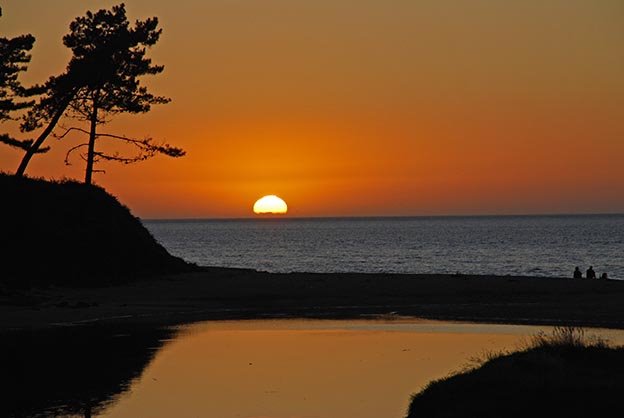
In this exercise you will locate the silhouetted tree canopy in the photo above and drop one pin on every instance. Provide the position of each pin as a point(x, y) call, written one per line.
point(101, 80)
point(14, 58)
point(108, 59)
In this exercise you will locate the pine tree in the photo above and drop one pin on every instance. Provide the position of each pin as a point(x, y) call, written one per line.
point(14, 59)
point(102, 79)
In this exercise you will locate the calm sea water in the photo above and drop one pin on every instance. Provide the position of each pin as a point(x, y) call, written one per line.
point(516, 245)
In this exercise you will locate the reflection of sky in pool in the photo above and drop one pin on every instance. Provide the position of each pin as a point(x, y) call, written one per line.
point(301, 368)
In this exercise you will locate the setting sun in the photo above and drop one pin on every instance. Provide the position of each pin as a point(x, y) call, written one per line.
point(270, 204)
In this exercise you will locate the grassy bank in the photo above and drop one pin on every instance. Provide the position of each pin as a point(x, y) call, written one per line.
point(562, 375)
point(70, 233)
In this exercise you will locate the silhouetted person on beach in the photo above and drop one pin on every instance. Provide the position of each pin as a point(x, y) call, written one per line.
point(591, 274)
point(577, 273)
point(604, 276)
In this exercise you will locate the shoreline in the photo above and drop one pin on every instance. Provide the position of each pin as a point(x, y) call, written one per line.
point(223, 293)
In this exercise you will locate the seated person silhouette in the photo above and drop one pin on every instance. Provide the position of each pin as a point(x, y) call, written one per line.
point(604, 276)
point(577, 273)
point(591, 274)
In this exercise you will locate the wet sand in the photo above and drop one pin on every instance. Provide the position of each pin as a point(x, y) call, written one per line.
point(219, 293)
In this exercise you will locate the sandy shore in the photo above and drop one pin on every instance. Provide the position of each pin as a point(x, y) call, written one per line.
point(218, 293)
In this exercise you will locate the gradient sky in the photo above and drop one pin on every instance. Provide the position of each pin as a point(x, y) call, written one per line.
point(363, 107)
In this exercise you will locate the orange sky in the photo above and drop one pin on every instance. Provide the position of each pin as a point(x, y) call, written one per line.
point(364, 107)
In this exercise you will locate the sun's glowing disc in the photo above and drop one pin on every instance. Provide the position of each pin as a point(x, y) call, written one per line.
point(270, 204)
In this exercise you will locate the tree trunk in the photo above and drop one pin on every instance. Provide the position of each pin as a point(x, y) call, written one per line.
point(32, 150)
point(92, 136)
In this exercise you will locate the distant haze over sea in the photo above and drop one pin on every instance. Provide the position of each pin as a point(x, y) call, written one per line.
point(516, 245)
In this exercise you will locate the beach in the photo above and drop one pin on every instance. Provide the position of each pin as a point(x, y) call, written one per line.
point(220, 293)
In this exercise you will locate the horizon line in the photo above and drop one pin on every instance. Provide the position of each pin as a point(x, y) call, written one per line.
point(363, 217)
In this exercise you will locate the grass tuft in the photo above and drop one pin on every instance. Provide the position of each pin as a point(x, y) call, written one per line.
point(566, 336)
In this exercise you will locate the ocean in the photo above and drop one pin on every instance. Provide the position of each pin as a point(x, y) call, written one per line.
point(549, 246)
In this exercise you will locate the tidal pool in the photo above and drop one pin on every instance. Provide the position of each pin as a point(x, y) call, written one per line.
point(307, 368)
point(245, 369)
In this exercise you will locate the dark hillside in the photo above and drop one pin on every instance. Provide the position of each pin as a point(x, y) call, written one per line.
point(70, 233)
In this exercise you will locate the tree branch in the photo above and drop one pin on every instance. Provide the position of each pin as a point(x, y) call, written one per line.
point(24, 144)
point(68, 131)
point(146, 149)
point(72, 149)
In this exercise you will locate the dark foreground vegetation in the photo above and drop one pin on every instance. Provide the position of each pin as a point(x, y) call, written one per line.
point(71, 233)
point(563, 375)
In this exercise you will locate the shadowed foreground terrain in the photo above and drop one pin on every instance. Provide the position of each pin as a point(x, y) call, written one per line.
point(71, 233)
point(72, 370)
point(555, 377)
point(217, 293)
